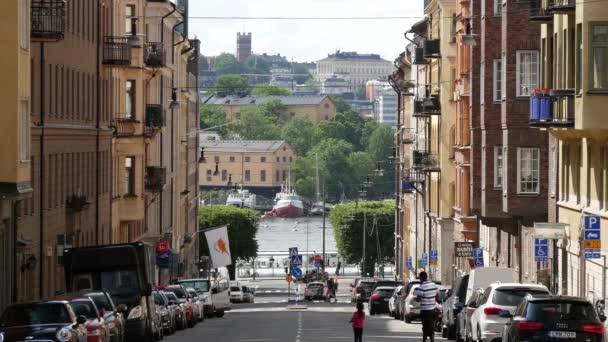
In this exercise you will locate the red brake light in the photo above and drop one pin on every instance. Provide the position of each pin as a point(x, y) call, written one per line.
point(376, 297)
point(491, 311)
point(358, 288)
point(529, 326)
point(593, 328)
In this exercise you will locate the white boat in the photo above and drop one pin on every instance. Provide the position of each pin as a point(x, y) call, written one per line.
point(241, 198)
point(288, 204)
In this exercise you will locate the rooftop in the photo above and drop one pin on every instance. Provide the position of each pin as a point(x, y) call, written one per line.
point(242, 146)
point(293, 100)
point(351, 55)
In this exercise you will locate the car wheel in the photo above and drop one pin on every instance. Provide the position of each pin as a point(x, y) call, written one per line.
point(458, 336)
point(478, 334)
point(408, 320)
point(438, 326)
point(451, 331)
point(371, 312)
point(395, 315)
point(219, 314)
point(444, 332)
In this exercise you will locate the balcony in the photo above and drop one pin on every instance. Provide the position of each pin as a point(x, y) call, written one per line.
point(553, 110)
point(419, 57)
point(76, 202)
point(154, 55)
point(424, 107)
point(156, 178)
point(431, 48)
point(125, 127)
point(48, 20)
point(408, 136)
point(426, 161)
point(116, 51)
point(538, 13)
point(561, 6)
point(155, 119)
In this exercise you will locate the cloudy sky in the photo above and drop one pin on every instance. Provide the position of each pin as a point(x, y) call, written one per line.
point(305, 40)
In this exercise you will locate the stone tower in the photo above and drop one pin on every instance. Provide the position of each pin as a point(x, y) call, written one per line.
point(243, 46)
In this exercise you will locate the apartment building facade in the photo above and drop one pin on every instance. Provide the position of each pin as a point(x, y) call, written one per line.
point(354, 67)
point(573, 64)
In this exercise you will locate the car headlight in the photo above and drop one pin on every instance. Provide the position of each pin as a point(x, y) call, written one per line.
point(136, 313)
point(63, 335)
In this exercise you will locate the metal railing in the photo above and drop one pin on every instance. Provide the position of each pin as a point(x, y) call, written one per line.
point(425, 160)
point(154, 55)
point(47, 20)
point(156, 177)
point(116, 51)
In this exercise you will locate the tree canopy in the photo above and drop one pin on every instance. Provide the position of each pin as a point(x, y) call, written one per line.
point(270, 90)
point(302, 74)
point(226, 63)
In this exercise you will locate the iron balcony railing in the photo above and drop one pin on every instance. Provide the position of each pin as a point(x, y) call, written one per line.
point(427, 106)
point(431, 48)
point(125, 127)
point(561, 6)
point(155, 119)
point(538, 12)
point(116, 51)
point(419, 57)
point(154, 55)
point(425, 161)
point(47, 20)
point(76, 202)
point(156, 178)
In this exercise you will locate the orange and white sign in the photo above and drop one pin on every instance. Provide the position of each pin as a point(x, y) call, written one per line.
point(219, 247)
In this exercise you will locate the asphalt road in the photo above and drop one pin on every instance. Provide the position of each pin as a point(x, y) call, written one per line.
point(266, 322)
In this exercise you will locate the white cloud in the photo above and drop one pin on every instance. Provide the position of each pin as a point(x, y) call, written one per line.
point(305, 40)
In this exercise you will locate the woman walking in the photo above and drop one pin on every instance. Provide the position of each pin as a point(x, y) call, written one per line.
point(357, 320)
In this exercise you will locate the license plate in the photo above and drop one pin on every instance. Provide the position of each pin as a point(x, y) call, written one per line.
point(562, 334)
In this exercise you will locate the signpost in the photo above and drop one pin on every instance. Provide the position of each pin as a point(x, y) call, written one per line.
point(425, 259)
point(593, 241)
point(293, 251)
point(541, 250)
point(464, 249)
point(317, 264)
point(434, 257)
point(296, 272)
point(409, 263)
point(296, 260)
point(478, 257)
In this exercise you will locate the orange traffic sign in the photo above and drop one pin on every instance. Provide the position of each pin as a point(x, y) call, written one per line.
point(289, 278)
point(317, 257)
point(593, 244)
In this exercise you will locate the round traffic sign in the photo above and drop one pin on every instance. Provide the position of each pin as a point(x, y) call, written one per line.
point(317, 264)
point(317, 258)
point(296, 272)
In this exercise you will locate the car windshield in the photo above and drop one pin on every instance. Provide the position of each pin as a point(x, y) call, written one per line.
point(512, 297)
point(387, 283)
point(179, 292)
point(366, 284)
point(384, 292)
point(198, 285)
point(315, 286)
point(102, 302)
point(32, 314)
point(119, 282)
point(159, 299)
point(170, 295)
point(551, 311)
point(192, 293)
point(84, 308)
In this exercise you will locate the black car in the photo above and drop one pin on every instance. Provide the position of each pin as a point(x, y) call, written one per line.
point(542, 317)
point(453, 305)
point(42, 321)
point(167, 312)
point(111, 314)
point(378, 302)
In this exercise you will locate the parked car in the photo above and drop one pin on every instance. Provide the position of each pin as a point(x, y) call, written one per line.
point(167, 312)
point(97, 330)
point(485, 323)
point(464, 317)
point(220, 296)
point(393, 303)
point(386, 283)
point(378, 301)
point(158, 332)
point(183, 298)
point(47, 321)
point(362, 290)
point(180, 315)
point(314, 290)
point(197, 305)
point(453, 305)
point(542, 317)
point(481, 278)
point(411, 305)
point(248, 294)
point(236, 294)
point(113, 317)
point(400, 304)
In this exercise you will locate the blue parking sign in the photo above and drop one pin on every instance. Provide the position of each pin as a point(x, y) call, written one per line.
point(425, 259)
point(592, 222)
point(478, 257)
point(410, 263)
point(541, 250)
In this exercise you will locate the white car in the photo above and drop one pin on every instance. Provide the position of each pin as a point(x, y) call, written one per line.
point(392, 303)
point(411, 306)
point(236, 294)
point(486, 323)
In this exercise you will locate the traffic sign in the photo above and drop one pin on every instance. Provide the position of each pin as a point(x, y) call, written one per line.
point(425, 259)
point(434, 257)
point(593, 244)
point(592, 222)
point(541, 250)
point(293, 251)
point(317, 264)
point(592, 234)
point(289, 278)
point(317, 257)
point(296, 272)
point(410, 263)
point(478, 257)
point(296, 260)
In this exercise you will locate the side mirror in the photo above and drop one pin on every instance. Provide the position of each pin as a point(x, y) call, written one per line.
point(81, 320)
point(121, 308)
point(214, 290)
point(505, 314)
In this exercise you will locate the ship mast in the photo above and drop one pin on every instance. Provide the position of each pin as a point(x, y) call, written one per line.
point(317, 173)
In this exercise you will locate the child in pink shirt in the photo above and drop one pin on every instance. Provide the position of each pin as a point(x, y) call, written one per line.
point(357, 320)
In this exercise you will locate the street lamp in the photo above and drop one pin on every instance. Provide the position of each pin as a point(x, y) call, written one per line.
point(174, 105)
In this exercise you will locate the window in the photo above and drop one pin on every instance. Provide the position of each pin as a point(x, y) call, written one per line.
point(24, 24)
point(290, 159)
point(209, 173)
point(497, 8)
point(579, 58)
point(284, 175)
point(224, 176)
point(497, 80)
point(130, 175)
point(24, 128)
point(129, 14)
point(599, 56)
point(232, 159)
point(284, 159)
point(263, 159)
point(216, 159)
point(498, 167)
point(130, 99)
point(247, 175)
point(528, 170)
point(278, 176)
point(527, 72)
point(247, 159)
point(263, 176)
point(278, 159)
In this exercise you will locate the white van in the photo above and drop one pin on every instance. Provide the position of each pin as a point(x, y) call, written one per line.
point(215, 293)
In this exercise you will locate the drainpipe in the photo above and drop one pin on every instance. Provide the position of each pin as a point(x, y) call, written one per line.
point(98, 125)
point(42, 177)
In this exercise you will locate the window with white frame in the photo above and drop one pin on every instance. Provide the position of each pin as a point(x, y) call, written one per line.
point(528, 170)
point(497, 80)
point(24, 24)
point(498, 167)
point(599, 56)
point(24, 130)
point(497, 8)
point(527, 72)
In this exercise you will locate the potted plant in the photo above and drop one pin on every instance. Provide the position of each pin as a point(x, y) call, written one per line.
point(406, 86)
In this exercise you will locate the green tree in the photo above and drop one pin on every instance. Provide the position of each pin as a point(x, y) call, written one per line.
point(332, 130)
point(257, 64)
point(270, 90)
point(302, 74)
point(299, 134)
point(341, 105)
point(333, 165)
point(231, 85)
point(361, 165)
point(275, 108)
point(242, 229)
point(311, 85)
point(212, 116)
point(381, 143)
point(360, 93)
point(226, 63)
point(256, 125)
point(348, 222)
